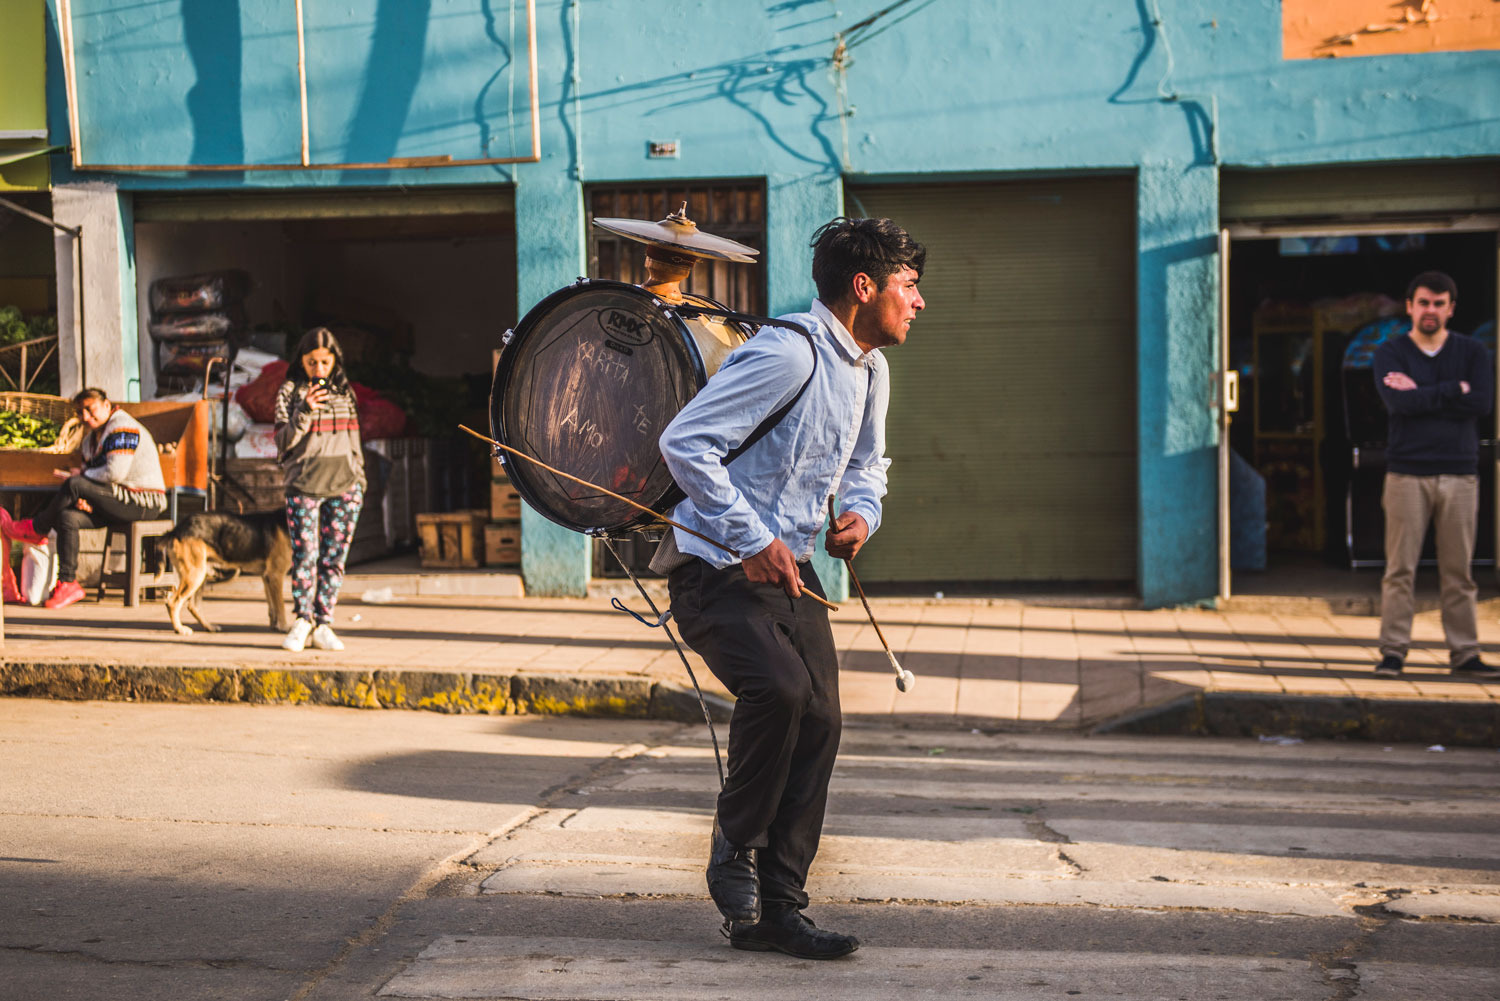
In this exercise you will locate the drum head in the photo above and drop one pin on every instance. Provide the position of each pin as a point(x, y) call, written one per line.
point(589, 380)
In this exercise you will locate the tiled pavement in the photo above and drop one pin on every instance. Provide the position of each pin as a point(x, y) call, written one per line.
point(1005, 662)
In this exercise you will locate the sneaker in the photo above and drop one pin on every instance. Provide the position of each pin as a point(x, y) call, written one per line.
point(1389, 667)
point(64, 594)
point(1477, 669)
point(296, 637)
point(324, 639)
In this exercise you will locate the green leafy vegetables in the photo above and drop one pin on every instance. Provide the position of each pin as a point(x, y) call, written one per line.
point(26, 431)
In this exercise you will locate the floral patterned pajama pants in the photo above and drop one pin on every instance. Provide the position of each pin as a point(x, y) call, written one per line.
point(321, 529)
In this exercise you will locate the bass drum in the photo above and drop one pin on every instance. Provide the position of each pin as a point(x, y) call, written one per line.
point(586, 383)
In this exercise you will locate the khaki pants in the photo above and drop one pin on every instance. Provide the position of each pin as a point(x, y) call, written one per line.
point(1452, 504)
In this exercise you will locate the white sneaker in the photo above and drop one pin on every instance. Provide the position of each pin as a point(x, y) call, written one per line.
point(296, 637)
point(324, 639)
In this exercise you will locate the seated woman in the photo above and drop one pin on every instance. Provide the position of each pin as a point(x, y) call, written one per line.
point(120, 481)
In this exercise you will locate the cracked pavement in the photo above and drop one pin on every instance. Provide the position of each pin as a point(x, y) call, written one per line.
point(239, 852)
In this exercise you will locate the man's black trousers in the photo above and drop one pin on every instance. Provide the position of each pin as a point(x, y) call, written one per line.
point(62, 514)
point(778, 658)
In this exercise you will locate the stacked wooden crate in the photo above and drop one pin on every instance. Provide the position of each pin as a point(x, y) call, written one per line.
point(502, 536)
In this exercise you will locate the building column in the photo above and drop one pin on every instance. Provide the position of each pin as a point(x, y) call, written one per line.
point(795, 207)
point(97, 327)
point(1176, 315)
point(555, 561)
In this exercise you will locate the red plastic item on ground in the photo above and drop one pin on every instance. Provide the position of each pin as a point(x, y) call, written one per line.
point(10, 589)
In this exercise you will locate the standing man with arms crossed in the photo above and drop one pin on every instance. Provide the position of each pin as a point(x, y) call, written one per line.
point(767, 642)
point(1436, 385)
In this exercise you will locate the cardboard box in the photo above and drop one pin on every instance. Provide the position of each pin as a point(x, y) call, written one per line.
point(502, 543)
point(505, 503)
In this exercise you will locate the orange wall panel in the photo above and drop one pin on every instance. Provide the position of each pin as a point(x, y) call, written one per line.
point(1321, 29)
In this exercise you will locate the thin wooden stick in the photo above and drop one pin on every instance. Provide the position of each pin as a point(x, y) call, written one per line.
point(595, 486)
point(904, 678)
point(641, 507)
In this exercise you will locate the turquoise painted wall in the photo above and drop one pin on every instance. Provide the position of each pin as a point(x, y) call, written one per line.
point(933, 90)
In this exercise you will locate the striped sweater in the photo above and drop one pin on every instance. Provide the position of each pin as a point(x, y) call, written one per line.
point(121, 454)
point(318, 449)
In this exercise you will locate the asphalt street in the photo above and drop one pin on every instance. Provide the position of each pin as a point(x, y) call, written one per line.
point(155, 851)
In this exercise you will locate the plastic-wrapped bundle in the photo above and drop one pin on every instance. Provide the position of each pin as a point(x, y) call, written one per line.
point(197, 328)
point(188, 358)
point(215, 290)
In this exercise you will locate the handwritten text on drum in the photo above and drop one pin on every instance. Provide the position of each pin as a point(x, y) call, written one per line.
point(587, 431)
point(605, 364)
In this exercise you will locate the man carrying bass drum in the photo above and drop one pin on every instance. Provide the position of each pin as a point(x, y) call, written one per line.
point(770, 644)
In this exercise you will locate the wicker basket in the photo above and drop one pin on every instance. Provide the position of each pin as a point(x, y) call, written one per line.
point(54, 408)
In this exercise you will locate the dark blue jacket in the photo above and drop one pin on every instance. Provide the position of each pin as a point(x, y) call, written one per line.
point(1434, 429)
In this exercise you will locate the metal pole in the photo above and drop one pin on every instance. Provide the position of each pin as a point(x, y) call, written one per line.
point(37, 216)
point(302, 83)
point(536, 106)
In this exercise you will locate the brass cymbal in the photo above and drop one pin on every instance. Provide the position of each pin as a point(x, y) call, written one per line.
point(680, 234)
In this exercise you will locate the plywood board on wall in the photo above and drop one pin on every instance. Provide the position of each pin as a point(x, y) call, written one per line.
point(1321, 29)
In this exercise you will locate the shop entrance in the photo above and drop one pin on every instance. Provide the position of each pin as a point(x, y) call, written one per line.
point(417, 286)
point(1307, 304)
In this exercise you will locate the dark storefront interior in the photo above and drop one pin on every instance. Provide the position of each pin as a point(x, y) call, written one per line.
point(1310, 420)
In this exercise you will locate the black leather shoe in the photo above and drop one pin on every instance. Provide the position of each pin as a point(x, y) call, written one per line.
point(732, 880)
point(1477, 669)
point(787, 930)
point(1389, 667)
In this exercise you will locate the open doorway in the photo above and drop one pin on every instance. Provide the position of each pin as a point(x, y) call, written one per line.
point(1304, 313)
point(417, 290)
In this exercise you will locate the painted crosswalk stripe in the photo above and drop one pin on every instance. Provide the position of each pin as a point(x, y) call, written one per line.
point(578, 969)
point(1062, 791)
point(593, 876)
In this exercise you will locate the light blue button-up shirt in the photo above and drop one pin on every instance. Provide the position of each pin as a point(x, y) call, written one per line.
point(832, 441)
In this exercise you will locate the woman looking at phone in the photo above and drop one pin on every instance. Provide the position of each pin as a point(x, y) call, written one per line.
point(318, 446)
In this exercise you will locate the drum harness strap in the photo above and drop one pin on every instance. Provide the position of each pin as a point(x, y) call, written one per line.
point(760, 432)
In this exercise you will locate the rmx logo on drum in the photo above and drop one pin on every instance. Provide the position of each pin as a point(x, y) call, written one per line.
point(626, 328)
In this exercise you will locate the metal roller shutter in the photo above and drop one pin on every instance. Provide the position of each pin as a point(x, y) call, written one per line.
point(1428, 191)
point(1012, 423)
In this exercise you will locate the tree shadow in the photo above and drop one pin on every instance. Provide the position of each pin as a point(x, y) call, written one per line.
point(1200, 123)
point(215, 45)
point(392, 73)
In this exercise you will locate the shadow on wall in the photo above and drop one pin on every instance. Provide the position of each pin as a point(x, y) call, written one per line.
point(389, 85)
point(787, 75)
point(481, 119)
point(211, 32)
point(1200, 122)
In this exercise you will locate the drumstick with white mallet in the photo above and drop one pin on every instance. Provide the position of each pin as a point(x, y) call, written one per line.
point(904, 678)
point(640, 507)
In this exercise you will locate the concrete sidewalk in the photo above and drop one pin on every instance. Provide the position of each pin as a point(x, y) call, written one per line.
point(982, 663)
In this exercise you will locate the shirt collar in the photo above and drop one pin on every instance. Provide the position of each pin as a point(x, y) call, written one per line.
point(841, 334)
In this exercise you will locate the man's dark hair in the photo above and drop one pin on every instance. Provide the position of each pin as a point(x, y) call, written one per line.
point(845, 247)
point(1434, 280)
point(85, 395)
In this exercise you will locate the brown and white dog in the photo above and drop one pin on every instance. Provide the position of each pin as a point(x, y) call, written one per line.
point(255, 543)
